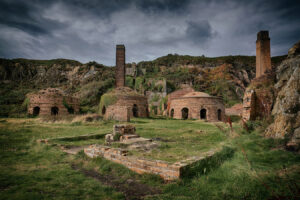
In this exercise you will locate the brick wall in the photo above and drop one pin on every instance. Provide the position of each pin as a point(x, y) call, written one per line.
point(118, 113)
point(131, 100)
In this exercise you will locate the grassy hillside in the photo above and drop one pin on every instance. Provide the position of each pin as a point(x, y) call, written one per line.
point(226, 77)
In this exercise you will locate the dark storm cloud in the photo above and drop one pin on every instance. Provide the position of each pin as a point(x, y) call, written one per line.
point(89, 30)
point(199, 31)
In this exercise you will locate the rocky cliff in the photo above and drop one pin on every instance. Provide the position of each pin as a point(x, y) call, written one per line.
point(286, 110)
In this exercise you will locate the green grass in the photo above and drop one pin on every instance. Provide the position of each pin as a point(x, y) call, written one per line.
point(258, 169)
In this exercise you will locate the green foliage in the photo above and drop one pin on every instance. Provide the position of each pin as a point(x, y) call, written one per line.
point(106, 100)
point(117, 137)
point(129, 82)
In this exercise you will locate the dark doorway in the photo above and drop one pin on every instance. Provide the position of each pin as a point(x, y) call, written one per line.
point(71, 110)
point(135, 110)
point(203, 114)
point(155, 110)
point(36, 111)
point(54, 110)
point(185, 113)
point(219, 115)
point(103, 110)
point(172, 113)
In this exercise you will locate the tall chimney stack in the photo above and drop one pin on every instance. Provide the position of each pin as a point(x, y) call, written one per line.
point(263, 53)
point(120, 65)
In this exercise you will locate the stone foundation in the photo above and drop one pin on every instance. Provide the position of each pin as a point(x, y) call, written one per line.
point(168, 171)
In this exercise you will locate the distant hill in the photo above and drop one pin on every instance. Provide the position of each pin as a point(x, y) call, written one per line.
point(222, 76)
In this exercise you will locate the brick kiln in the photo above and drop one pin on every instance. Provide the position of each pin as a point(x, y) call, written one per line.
point(197, 105)
point(122, 103)
point(51, 101)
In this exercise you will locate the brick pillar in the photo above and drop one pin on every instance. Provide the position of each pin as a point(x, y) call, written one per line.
point(120, 66)
point(263, 53)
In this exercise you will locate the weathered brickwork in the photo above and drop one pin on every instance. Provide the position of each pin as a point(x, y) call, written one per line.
point(263, 53)
point(118, 113)
point(120, 66)
point(168, 171)
point(138, 106)
point(52, 101)
point(198, 106)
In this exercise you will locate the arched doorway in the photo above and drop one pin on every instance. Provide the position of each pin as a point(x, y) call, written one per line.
point(203, 113)
point(135, 111)
point(36, 111)
point(185, 113)
point(103, 110)
point(219, 114)
point(172, 113)
point(71, 110)
point(54, 110)
point(155, 110)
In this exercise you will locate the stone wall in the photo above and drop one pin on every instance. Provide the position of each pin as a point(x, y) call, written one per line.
point(194, 105)
point(168, 171)
point(263, 53)
point(118, 113)
point(46, 99)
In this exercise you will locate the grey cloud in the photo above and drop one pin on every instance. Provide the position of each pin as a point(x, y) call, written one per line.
point(199, 32)
point(89, 30)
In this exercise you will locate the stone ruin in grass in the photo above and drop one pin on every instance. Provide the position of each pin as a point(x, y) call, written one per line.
point(126, 134)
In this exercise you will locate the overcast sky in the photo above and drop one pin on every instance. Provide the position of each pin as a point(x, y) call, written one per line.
point(88, 30)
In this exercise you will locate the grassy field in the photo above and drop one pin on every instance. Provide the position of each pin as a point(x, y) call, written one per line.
point(259, 168)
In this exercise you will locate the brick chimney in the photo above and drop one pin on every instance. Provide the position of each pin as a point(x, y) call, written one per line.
point(263, 53)
point(120, 65)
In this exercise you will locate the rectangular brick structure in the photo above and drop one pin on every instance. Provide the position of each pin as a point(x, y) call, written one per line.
point(263, 53)
point(168, 171)
point(120, 66)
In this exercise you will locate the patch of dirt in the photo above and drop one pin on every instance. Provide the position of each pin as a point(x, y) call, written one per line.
point(132, 189)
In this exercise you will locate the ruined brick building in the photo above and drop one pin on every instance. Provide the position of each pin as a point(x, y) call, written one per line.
point(122, 102)
point(196, 105)
point(51, 101)
point(263, 53)
point(258, 97)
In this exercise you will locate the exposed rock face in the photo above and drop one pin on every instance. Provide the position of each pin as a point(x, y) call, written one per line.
point(287, 106)
point(259, 98)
